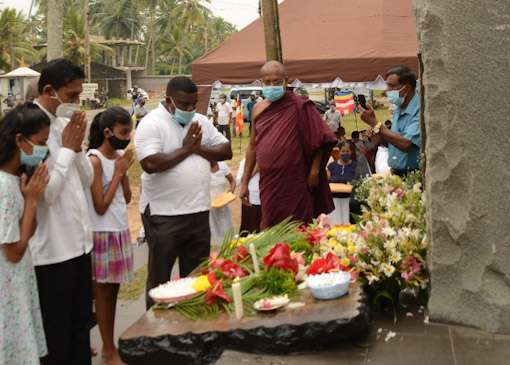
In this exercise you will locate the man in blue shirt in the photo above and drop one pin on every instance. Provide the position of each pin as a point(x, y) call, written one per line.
point(404, 140)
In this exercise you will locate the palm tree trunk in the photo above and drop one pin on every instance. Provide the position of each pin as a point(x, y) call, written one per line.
point(151, 46)
point(12, 56)
point(153, 51)
point(147, 51)
point(206, 39)
point(130, 55)
point(55, 29)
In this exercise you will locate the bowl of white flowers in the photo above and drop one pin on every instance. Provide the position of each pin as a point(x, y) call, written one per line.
point(329, 285)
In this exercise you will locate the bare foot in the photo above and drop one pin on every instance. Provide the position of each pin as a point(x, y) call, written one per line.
point(112, 358)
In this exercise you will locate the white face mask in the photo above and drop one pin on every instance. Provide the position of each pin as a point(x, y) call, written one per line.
point(65, 110)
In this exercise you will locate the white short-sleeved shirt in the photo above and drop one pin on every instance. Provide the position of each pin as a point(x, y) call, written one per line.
point(224, 111)
point(183, 189)
point(253, 185)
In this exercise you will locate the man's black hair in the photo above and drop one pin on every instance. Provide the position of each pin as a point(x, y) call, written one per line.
point(405, 75)
point(58, 73)
point(355, 134)
point(340, 131)
point(181, 83)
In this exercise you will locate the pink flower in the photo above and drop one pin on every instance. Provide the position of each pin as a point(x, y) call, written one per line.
point(399, 193)
point(215, 262)
point(298, 256)
point(324, 221)
point(410, 267)
point(315, 236)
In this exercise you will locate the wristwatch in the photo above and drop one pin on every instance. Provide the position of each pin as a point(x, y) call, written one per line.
point(377, 128)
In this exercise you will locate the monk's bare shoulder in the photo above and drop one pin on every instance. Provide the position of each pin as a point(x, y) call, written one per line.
point(259, 108)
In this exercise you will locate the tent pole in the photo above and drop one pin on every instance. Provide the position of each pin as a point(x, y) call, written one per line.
point(272, 30)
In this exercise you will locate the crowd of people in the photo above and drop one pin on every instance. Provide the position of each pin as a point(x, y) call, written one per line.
point(64, 191)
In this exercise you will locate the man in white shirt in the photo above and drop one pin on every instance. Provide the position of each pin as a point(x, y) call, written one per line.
point(224, 110)
point(174, 145)
point(332, 117)
point(62, 242)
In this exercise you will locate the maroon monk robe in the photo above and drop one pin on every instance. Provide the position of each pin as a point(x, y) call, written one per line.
point(289, 132)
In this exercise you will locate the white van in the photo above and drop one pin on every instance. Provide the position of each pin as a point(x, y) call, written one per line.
point(244, 92)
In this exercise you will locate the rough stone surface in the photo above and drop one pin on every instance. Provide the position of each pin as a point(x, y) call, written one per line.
point(465, 46)
point(163, 337)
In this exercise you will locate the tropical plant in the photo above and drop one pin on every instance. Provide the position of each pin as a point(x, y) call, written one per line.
point(74, 38)
point(14, 47)
point(174, 32)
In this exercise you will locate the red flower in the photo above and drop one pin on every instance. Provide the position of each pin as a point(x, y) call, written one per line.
point(314, 236)
point(231, 270)
point(216, 292)
point(240, 254)
point(279, 257)
point(324, 265)
point(215, 262)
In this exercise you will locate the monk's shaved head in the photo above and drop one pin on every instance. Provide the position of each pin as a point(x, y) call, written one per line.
point(273, 68)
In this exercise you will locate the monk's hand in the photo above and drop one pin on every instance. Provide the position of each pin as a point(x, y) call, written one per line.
point(244, 194)
point(313, 179)
point(368, 115)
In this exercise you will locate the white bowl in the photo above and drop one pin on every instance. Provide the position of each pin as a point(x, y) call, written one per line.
point(330, 285)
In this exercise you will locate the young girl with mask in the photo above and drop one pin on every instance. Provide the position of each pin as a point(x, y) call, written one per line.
point(23, 132)
point(342, 170)
point(112, 256)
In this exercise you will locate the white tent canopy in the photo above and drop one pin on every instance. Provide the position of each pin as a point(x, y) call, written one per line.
point(21, 72)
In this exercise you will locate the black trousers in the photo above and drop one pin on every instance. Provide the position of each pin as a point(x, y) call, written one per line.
point(65, 294)
point(250, 219)
point(187, 237)
point(225, 130)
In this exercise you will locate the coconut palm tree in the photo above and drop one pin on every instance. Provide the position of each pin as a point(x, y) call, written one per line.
point(74, 38)
point(175, 47)
point(118, 19)
point(14, 28)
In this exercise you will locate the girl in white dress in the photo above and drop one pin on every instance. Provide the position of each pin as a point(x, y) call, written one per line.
point(220, 219)
point(23, 132)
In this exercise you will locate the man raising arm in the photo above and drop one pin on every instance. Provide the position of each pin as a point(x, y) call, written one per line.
point(404, 137)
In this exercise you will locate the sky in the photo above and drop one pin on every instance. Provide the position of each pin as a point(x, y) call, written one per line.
point(238, 12)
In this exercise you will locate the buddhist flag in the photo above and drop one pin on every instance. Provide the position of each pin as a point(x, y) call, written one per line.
point(239, 116)
point(344, 101)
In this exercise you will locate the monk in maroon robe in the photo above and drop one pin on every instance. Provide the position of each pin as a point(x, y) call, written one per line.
point(291, 145)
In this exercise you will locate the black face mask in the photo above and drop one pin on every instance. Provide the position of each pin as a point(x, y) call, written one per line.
point(117, 143)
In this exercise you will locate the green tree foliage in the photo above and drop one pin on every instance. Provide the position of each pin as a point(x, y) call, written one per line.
point(173, 32)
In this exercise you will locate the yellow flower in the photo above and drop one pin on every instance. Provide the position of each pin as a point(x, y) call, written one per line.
point(201, 283)
point(345, 261)
point(351, 248)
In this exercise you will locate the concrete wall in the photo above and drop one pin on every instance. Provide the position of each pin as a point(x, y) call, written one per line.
point(154, 85)
point(465, 46)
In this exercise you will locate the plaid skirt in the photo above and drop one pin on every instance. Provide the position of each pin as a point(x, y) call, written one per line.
point(112, 257)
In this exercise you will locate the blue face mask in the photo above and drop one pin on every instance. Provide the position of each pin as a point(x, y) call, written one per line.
point(182, 116)
point(273, 93)
point(345, 156)
point(394, 97)
point(39, 153)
